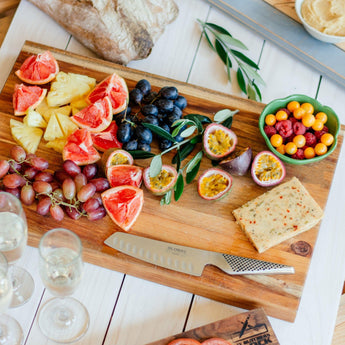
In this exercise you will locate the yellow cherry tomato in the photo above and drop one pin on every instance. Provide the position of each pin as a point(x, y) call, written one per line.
point(327, 139)
point(293, 105)
point(281, 149)
point(309, 109)
point(270, 120)
point(309, 152)
point(276, 140)
point(298, 113)
point(321, 116)
point(290, 148)
point(317, 125)
point(308, 120)
point(299, 140)
point(320, 149)
point(281, 115)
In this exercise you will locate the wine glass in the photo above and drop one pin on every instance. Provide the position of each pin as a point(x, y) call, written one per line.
point(62, 319)
point(13, 239)
point(10, 331)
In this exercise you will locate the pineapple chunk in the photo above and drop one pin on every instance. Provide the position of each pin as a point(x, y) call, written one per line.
point(57, 144)
point(50, 110)
point(79, 103)
point(53, 130)
point(68, 87)
point(66, 124)
point(27, 137)
point(34, 119)
point(43, 106)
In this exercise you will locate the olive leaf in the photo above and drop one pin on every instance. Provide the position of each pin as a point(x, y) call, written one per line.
point(231, 41)
point(190, 176)
point(156, 165)
point(184, 151)
point(240, 80)
point(140, 154)
point(159, 131)
point(193, 167)
point(224, 114)
point(179, 186)
point(166, 199)
point(188, 131)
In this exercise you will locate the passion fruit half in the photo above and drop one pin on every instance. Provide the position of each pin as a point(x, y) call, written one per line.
point(218, 141)
point(163, 182)
point(267, 169)
point(238, 162)
point(214, 184)
point(116, 156)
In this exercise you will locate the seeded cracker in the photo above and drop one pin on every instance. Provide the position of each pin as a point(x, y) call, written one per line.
point(279, 214)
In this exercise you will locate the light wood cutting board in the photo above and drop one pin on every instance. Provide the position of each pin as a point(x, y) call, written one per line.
point(191, 221)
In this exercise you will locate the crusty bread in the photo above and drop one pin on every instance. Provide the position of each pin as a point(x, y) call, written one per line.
point(279, 214)
point(116, 30)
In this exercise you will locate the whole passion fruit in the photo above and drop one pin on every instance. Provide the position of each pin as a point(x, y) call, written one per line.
point(267, 169)
point(218, 141)
point(238, 162)
point(214, 183)
point(163, 182)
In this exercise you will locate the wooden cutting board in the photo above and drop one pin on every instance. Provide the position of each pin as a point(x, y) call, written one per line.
point(191, 221)
point(250, 327)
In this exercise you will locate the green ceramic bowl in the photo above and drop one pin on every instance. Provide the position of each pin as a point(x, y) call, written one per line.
point(332, 123)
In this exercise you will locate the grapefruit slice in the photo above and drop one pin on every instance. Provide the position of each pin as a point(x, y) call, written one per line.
point(115, 88)
point(107, 139)
point(79, 148)
point(96, 117)
point(123, 205)
point(25, 97)
point(124, 174)
point(38, 69)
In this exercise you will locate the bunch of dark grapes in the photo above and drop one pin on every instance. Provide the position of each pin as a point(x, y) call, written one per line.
point(160, 108)
point(72, 190)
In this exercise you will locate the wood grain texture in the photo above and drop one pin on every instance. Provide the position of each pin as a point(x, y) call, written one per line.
point(251, 327)
point(191, 221)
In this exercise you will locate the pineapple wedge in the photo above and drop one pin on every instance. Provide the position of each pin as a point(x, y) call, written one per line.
point(69, 87)
point(34, 119)
point(53, 130)
point(57, 144)
point(66, 124)
point(62, 110)
point(27, 137)
point(79, 103)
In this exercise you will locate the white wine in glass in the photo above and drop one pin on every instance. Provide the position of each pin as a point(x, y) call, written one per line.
point(10, 331)
point(13, 239)
point(62, 319)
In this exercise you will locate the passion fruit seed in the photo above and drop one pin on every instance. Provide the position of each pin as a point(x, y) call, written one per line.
point(268, 169)
point(213, 185)
point(119, 158)
point(163, 179)
point(219, 142)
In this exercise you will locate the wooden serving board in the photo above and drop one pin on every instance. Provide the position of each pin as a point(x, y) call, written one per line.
point(251, 327)
point(191, 221)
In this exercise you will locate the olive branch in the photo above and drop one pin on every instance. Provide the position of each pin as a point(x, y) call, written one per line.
point(247, 76)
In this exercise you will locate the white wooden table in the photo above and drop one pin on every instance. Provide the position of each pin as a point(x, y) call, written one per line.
point(128, 311)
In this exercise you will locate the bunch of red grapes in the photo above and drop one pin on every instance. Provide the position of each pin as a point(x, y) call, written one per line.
point(72, 190)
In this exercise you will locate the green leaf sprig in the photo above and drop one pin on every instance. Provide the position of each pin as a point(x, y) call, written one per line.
point(224, 43)
point(191, 128)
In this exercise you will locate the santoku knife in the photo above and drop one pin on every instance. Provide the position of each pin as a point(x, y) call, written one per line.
point(190, 260)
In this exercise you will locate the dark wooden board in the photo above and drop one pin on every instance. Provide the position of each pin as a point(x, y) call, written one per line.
point(251, 327)
point(191, 221)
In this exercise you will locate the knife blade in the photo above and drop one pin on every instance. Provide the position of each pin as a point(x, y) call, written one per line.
point(190, 260)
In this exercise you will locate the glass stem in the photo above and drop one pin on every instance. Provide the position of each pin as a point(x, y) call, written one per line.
point(64, 316)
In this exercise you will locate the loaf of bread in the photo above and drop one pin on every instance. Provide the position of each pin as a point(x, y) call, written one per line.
point(279, 214)
point(116, 30)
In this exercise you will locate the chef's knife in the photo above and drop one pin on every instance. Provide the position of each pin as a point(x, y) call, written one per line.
point(189, 260)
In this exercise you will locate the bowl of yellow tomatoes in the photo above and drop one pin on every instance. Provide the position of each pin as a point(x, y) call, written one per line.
point(299, 129)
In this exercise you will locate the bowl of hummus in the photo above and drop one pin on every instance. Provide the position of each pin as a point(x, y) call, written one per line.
point(323, 19)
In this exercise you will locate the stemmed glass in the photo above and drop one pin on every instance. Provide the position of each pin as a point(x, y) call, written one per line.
point(13, 239)
point(10, 331)
point(62, 319)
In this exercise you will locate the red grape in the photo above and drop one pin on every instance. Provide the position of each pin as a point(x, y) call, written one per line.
point(39, 163)
point(4, 167)
point(15, 167)
point(27, 194)
point(18, 153)
point(30, 173)
point(57, 212)
point(91, 205)
point(72, 212)
point(71, 168)
point(13, 191)
point(13, 181)
point(42, 187)
point(69, 188)
point(60, 175)
point(43, 206)
point(80, 180)
point(90, 171)
point(101, 184)
point(58, 194)
point(44, 176)
point(86, 192)
point(97, 214)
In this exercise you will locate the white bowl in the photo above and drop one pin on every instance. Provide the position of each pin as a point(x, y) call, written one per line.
point(316, 33)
